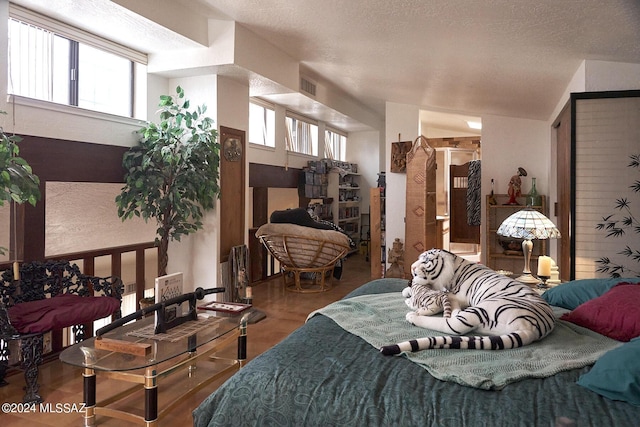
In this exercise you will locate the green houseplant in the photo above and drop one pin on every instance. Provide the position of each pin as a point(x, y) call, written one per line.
point(18, 183)
point(172, 175)
point(616, 227)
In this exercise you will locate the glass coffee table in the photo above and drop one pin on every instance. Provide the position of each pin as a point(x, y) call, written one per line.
point(137, 355)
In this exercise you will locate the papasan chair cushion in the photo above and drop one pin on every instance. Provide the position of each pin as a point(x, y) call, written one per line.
point(301, 249)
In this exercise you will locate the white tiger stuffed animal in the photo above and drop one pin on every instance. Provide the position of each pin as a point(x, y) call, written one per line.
point(510, 313)
point(426, 301)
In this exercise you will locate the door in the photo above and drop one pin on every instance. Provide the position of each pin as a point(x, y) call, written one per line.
point(563, 206)
point(456, 175)
point(460, 229)
point(232, 190)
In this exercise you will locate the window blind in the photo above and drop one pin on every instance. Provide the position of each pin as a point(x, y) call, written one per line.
point(65, 30)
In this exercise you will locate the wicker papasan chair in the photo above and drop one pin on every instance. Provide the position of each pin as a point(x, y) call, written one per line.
point(307, 255)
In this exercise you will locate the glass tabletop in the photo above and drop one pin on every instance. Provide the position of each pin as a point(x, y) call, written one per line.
point(161, 347)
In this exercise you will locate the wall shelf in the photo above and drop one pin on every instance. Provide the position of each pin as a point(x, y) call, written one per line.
point(346, 211)
point(497, 257)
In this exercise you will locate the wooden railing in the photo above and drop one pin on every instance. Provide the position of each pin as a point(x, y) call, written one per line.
point(88, 259)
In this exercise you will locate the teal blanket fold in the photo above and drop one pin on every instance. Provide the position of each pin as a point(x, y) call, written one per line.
point(380, 320)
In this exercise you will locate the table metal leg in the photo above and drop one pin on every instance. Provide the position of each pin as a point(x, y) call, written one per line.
point(150, 396)
point(89, 397)
point(242, 340)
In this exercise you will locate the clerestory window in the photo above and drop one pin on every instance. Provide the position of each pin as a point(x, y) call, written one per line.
point(335, 145)
point(302, 135)
point(262, 123)
point(52, 61)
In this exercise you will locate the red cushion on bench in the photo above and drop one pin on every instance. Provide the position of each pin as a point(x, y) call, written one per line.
point(60, 312)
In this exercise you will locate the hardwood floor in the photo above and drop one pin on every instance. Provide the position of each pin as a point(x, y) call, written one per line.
point(285, 311)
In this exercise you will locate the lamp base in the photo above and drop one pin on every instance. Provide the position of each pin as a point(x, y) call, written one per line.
point(529, 279)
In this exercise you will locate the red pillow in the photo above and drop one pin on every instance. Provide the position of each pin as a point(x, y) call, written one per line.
point(615, 314)
point(59, 312)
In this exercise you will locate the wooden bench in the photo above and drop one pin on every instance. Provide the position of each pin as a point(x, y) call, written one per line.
point(47, 297)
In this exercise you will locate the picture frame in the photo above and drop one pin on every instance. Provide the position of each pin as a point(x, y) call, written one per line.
point(399, 152)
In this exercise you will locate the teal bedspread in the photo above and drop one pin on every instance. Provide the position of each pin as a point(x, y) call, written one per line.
point(379, 319)
point(322, 375)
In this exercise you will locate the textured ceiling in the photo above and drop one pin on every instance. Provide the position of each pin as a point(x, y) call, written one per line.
point(502, 57)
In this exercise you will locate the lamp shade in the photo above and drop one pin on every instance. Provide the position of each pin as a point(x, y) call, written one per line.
point(528, 224)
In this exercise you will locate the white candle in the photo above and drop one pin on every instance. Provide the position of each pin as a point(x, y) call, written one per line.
point(16, 270)
point(249, 293)
point(544, 266)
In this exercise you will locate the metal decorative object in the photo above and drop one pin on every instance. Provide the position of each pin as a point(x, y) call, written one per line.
point(232, 149)
point(399, 152)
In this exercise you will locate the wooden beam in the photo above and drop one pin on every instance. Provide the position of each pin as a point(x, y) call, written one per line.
point(273, 176)
point(73, 161)
point(260, 206)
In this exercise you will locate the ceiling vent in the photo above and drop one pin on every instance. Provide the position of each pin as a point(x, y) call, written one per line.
point(307, 86)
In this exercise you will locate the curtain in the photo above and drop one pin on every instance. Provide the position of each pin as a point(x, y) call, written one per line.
point(289, 141)
point(328, 146)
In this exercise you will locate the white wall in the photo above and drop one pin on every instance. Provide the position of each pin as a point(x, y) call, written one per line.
point(403, 120)
point(509, 143)
point(361, 149)
point(4, 57)
point(603, 76)
point(195, 255)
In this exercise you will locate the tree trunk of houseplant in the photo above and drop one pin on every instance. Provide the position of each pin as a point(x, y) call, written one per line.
point(163, 255)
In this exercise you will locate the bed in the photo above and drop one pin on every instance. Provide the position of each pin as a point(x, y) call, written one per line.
point(323, 375)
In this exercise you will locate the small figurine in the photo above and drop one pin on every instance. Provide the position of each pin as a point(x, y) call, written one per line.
point(515, 187)
point(396, 258)
point(492, 197)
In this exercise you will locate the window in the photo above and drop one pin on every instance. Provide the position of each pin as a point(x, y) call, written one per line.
point(262, 122)
point(38, 63)
point(302, 135)
point(335, 145)
point(51, 61)
point(97, 67)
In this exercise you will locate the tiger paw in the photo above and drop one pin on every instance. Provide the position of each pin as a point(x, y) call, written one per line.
point(411, 316)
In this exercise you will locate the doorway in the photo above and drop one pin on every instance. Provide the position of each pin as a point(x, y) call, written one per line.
point(446, 185)
point(456, 143)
